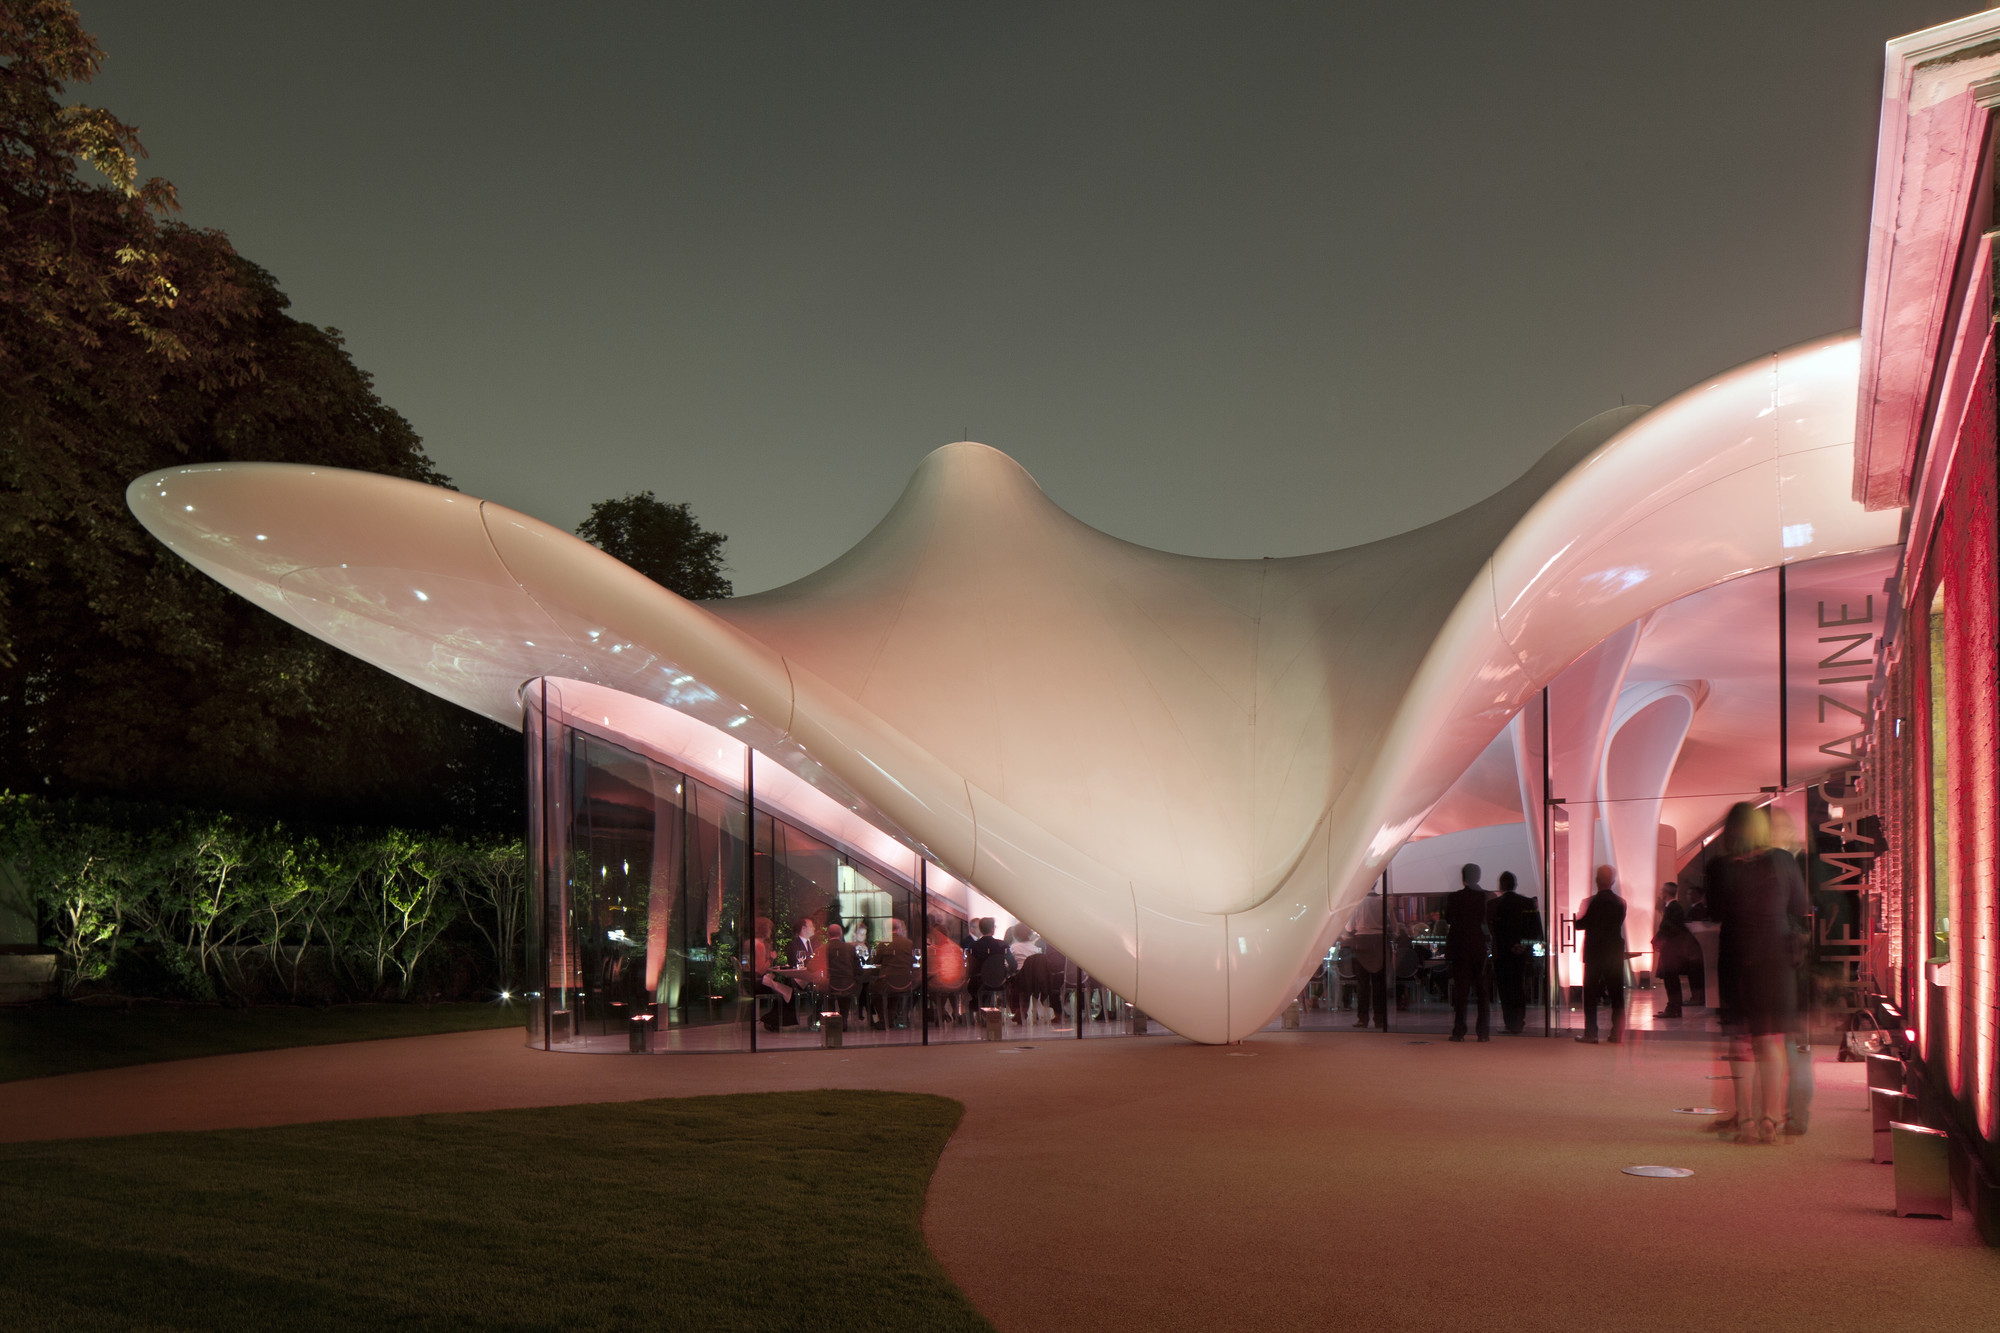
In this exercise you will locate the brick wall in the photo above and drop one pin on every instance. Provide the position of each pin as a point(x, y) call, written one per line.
point(1963, 567)
point(1959, 1024)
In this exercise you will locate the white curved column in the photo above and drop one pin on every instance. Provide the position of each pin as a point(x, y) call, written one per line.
point(1647, 729)
point(1581, 703)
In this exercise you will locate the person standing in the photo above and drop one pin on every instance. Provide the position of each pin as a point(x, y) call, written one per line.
point(1676, 953)
point(1467, 951)
point(1364, 944)
point(1764, 905)
point(1602, 922)
point(1515, 925)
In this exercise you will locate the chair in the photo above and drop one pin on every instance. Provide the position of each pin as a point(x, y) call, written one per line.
point(807, 999)
point(948, 1001)
point(1408, 965)
point(843, 977)
point(895, 986)
point(991, 981)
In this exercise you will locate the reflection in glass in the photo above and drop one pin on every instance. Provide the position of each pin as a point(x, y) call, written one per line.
point(638, 889)
point(641, 937)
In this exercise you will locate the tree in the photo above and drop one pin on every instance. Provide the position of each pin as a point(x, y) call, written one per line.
point(130, 342)
point(664, 542)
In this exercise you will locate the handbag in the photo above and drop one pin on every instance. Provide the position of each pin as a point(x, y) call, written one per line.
point(1859, 1042)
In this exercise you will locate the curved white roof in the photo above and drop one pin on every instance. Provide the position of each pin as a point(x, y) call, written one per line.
point(1183, 771)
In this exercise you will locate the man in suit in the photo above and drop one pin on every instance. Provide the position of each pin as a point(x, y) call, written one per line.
point(1602, 923)
point(988, 961)
point(1466, 951)
point(1515, 925)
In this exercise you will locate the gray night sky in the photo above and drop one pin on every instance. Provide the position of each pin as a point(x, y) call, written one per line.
point(1229, 279)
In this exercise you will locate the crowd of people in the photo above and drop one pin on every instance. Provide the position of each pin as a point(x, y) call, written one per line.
point(1748, 885)
point(835, 970)
point(1488, 952)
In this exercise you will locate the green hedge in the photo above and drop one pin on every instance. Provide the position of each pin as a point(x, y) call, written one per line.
point(210, 906)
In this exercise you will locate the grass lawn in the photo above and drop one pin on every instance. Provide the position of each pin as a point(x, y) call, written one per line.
point(39, 1039)
point(758, 1212)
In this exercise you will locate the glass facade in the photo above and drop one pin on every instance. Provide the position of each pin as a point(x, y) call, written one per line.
point(639, 887)
point(674, 909)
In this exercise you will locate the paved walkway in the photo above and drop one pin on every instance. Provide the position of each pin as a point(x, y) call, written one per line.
point(1296, 1181)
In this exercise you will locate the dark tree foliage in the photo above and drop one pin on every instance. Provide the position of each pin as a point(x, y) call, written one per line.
point(662, 541)
point(130, 342)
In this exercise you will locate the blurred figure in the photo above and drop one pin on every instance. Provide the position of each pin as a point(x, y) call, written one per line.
point(1785, 838)
point(1467, 952)
point(1677, 954)
point(1785, 832)
point(843, 969)
point(1602, 923)
point(1027, 972)
point(1057, 966)
point(944, 966)
point(1408, 975)
point(763, 957)
point(895, 975)
point(1760, 898)
point(990, 964)
point(1363, 942)
point(1515, 925)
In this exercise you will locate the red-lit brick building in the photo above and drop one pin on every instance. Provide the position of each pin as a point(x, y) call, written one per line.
point(1925, 442)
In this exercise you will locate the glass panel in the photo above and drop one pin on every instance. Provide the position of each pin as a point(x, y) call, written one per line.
point(665, 983)
point(795, 889)
point(611, 861)
point(716, 993)
point(637, 886)
point(536, 981)
point(945, 974)
point(844, 932)
point(641, 938)
point(562, 970)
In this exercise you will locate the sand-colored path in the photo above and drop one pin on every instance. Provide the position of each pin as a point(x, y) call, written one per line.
point(1292, 1182)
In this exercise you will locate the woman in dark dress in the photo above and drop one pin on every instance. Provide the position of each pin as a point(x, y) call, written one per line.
point(1676, 953)
point(1760, 899)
